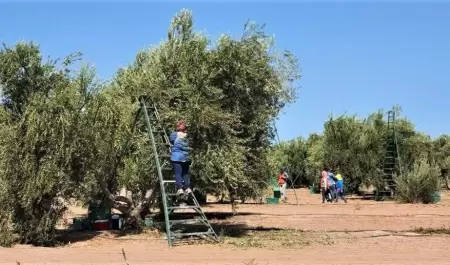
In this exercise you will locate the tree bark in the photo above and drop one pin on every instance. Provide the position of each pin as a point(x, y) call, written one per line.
point(133, 212)
point(447, 183)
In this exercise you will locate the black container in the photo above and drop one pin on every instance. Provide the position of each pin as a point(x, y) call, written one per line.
point(116, 222)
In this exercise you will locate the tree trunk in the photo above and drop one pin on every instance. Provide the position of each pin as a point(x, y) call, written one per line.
point(133, 212)
point(447, 183)
point(233, 197)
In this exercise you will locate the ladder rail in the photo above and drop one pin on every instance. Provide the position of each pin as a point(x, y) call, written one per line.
point(396, 146)
point(391, 155)
point(158, 168)
point(158, 118)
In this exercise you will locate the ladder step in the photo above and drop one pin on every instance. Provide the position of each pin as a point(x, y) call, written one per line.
point(168, 181)
point(184, 221)
point(184, 207)
point(193, 234)
point(176, 194)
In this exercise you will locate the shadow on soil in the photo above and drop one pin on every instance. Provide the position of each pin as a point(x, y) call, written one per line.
point(222, 229)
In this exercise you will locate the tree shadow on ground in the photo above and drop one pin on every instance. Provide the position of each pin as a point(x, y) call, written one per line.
point(240, 229)
point(157, 232)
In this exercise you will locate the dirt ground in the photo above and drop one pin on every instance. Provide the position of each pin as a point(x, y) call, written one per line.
point(359, 232)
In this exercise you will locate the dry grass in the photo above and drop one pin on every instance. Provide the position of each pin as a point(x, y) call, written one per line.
point(432, 231)
point(277, 239)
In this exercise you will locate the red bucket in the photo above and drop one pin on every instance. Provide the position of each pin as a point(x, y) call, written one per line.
point(101, 225)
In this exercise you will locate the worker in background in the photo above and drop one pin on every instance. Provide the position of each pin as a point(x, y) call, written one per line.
point(282, 183)
point(340, 188)
point(180, 158)
point(324, 187)
point(332, 184)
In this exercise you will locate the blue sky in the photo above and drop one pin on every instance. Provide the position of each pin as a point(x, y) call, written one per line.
point(354, 57)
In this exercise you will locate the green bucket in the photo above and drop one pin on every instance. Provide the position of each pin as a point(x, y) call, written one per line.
point(313, 190)
point(272, 200)
point(436, 197)
point(148, 222)
point(276, 192)
point(81, 223)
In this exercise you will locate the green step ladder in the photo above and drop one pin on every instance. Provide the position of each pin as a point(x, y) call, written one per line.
point(391, 163)
point(177, 226)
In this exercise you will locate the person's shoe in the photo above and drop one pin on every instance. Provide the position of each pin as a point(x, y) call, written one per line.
point(180, 192)
point(183, 204)
point(188, 191)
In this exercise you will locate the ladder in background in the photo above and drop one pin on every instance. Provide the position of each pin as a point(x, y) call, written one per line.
point(391, 159)
point(176, 226)
point(287, 167)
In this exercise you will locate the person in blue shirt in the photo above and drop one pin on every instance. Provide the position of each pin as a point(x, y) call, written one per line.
point(340, 188)
point(180, 158)
point(332, 184)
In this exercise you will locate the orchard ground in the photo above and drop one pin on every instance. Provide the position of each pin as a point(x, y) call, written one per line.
point(359, 232)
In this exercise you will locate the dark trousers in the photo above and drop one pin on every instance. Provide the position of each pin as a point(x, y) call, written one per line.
point(333, 192)
point(182, 176)
point(324, 194)
point(340, 194)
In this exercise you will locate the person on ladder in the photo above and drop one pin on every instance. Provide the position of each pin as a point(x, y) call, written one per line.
point(180, 158)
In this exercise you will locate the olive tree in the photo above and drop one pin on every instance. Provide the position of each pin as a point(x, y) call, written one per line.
point(39, 135)
point(229, 95)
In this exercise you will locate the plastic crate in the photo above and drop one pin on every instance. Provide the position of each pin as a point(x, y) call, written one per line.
point(272, 200)
point(436, 197)
point(98, 211)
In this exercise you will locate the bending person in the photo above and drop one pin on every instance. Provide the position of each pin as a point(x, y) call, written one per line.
point(180, 158)
point(332, 185)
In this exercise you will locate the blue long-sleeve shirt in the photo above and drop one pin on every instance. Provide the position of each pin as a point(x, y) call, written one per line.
point(180, 147)
point(331, 178)
point(340, 184)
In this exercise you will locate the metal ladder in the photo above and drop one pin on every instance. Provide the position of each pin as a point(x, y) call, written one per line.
point(176, 227)
point(391, 159)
